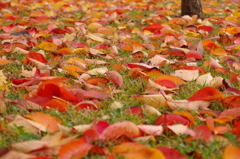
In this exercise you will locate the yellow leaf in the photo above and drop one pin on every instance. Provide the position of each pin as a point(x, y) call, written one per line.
point(48, 46)
point(3, 82)
point(93, 26)
point(237, 47)
point(232, 19)
point(188, 33)
point(95, 37)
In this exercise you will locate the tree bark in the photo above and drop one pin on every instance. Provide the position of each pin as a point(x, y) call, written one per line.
point(191, 7)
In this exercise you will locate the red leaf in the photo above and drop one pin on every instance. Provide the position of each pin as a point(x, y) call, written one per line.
point(206, 28)
point(36, 56)
point(90, 135)
point(101, 126)
point(200, 69)
point(96, 95)
point(203, 132)
point(234, 112)
point(136, 110)
point(195, 54)
point(58, 31)
point(153, 28)
point(86, 105)
point(166, 83)
point(140, 65)
point(50, 90)
point(115, 77)
point(171, 119)
point(207, 94)
point(170, 153)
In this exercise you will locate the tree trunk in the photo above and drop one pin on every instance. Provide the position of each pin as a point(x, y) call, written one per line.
point(191, 7)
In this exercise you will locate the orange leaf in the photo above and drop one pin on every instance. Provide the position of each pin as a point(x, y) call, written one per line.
point(174, 79)
point(4, 62)
point(145, 153)
point(116, 130)
point(46, 120)
point(73, 70)
point(137, 46)
point(127, 147)
point(210, 123)
point(231, 152)
point(75, 149)
point(57, 104)
point(207, 94)
point(153, 72)
point(119, 67)
point(219, 52)
point(210, 45)
point(48, 46)
point(231, 102)
point(97, 80)
point(64, 51)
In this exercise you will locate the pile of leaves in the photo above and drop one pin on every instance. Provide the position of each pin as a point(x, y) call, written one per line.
point(119, 79)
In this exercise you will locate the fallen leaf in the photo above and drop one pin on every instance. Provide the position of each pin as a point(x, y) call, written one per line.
point(206, 94)
point(231, 152)
point(119, 129)
point(155, 100)
point(171, 119)
point(170, 153)
point(28, 146)
point(44, 119)
point(172, 78)
point(187, 75)
point(188, 105)
point(74, 149)
point(48, 46)
point(115, 77)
